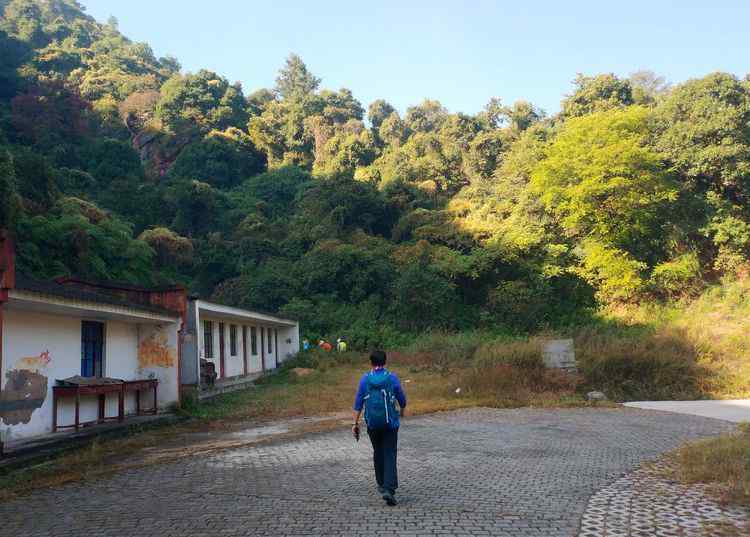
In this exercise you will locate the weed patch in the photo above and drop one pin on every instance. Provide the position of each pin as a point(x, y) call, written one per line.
point(657, 366)
point(723, 461)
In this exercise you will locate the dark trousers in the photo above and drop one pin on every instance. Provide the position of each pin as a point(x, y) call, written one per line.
point(384, 454)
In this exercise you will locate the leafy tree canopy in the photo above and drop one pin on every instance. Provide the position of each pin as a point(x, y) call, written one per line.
point(115, 164)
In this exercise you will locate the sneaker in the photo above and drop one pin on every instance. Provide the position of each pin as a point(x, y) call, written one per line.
point(389, 498)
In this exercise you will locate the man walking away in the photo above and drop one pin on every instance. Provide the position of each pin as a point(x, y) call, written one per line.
point(379, 389)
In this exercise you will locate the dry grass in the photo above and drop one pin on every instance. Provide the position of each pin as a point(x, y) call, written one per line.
point(439, 372)
point(85, 463)
point(688, 350)
point(723, 461)
point(651, 366)
point(718, 326)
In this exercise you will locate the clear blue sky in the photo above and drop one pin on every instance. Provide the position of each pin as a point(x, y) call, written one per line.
point(459, 52)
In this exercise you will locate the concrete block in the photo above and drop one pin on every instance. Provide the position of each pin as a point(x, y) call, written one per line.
point(560, 354)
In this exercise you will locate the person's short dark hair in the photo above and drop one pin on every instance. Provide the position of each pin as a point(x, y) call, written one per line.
point(377, 358)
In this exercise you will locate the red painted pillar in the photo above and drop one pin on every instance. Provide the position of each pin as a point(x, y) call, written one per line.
point(221, 350)
point(244, 349)
point(2, 373)
point(7, 282)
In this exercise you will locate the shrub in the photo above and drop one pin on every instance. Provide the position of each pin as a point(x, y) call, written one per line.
point(613, 272)
point(522, 354)
point(440, 349)
point(680, 276)
point(652, 366)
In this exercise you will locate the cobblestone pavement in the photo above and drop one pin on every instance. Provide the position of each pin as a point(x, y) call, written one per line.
point(645, 503)
point(477, 472)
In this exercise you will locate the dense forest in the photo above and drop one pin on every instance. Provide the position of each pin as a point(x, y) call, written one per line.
point(116, 164)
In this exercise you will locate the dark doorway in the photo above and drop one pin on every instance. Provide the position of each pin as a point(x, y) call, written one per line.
point(92, 349)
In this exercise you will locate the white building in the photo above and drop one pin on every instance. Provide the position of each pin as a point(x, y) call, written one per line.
point(74, 353)
point(239, 343)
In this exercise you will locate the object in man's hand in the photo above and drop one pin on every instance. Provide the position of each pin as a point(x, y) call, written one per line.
point(355, 432)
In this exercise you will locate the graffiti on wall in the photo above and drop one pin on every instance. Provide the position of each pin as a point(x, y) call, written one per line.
point(155, 351)
point(34, 363)
point(25, 389)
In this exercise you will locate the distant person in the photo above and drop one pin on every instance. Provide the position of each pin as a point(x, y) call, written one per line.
point(341, 345)
point(325, 345)
point(305, 345)
point(378, 392)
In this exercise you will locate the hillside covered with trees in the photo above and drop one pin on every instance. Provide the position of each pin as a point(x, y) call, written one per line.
point(354, 218)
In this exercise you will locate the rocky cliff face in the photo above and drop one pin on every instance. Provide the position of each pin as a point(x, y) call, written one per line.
point(158, 150)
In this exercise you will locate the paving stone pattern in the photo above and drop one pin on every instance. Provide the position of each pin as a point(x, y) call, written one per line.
point(477, 472)
point(645, 503)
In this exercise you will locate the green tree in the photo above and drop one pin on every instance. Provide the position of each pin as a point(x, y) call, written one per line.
point(203, 100)
point(648, 87)
point(521, 116)
point(196, 207)
point(704, 132)
point(284, 133)
point(378, 111)
point(346, 273)
point(222, 159)
point(421, 297)
point(602, 179)
point(76, 237)
point(596, 94)
point(340, 204)
point(426, 117)
point(393, 130)
point(9, 202)
point(275, 193)
point(258, 100)
point(609, 189)
point(171, 249)
point(294, 80)
point(36, 179)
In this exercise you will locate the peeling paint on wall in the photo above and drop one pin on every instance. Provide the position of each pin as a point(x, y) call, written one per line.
point(154, 351)
point(23, 393)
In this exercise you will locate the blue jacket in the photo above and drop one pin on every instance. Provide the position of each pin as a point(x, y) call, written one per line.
point(359, 400)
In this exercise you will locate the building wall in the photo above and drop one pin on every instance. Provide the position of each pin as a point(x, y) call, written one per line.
point(288, 342)
point(37, 349)
point(254, 364)
point(157, 359)
point(270, 354)
point(234, 365)
point(40, 348)
point(190, 359)
point(201, 342)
